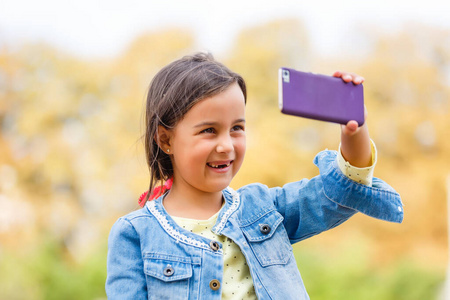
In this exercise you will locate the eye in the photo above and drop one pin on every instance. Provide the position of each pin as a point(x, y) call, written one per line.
point(238, 128)
point(208, 130)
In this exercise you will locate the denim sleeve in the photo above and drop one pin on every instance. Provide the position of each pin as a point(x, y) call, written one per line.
point(125, 269)
point(312, 206)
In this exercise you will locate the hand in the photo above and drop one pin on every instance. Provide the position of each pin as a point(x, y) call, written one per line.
point(355, 141)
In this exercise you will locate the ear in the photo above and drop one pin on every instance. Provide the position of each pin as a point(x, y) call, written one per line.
point(163, 137)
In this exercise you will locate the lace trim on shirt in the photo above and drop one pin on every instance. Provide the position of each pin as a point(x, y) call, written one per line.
point(234, 205)
point(151, 205)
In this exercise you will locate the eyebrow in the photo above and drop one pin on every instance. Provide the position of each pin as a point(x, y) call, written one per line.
point(215, 123)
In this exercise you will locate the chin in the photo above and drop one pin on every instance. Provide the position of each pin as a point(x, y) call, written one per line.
point(218, 187)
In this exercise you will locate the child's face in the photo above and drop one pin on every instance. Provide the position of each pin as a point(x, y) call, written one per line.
point(208, 144)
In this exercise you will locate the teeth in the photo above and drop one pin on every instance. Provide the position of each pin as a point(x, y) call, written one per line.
point(221, 166)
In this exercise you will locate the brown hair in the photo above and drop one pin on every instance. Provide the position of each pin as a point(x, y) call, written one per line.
point(174, 90)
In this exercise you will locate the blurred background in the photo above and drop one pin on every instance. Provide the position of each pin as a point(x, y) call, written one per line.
point(73, 79)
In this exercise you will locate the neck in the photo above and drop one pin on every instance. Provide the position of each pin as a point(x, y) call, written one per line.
point(191, 203)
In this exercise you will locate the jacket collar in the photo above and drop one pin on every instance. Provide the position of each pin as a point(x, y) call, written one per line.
point(156, 208)
point(232, 202)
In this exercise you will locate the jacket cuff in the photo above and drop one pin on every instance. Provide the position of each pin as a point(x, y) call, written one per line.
point(379, 201)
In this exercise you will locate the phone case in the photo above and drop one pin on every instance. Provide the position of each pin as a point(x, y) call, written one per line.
point(320, 97)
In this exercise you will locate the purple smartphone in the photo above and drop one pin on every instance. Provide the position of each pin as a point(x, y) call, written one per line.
point(320, 97)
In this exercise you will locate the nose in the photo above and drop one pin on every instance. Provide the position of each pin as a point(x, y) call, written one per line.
point(225, 144)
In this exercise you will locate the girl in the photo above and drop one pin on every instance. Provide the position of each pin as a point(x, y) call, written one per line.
point(199, 239)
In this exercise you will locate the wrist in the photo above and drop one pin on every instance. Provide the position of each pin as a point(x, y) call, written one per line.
point(356, 148)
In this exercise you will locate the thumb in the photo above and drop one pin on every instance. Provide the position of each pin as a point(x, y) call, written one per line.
point(350, 129)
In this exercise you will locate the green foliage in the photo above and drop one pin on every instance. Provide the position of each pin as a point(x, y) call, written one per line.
point(350, 275)
point(48, 273)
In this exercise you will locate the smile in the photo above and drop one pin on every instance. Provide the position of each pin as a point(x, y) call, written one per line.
point(219, 165)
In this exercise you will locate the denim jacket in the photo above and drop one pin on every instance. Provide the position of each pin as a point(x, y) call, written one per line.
point(151, 257)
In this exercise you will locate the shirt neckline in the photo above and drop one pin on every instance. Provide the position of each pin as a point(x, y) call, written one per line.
point(198, 221)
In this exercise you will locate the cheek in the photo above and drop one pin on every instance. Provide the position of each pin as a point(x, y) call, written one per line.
point(240, 147)
point(199, 151)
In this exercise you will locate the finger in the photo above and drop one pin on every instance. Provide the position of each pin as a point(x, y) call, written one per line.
point(358, 79)
point(347, 77)
point(350, 128)
point(337, 74)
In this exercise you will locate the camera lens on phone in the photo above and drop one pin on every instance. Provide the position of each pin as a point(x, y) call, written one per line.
point(286, 76)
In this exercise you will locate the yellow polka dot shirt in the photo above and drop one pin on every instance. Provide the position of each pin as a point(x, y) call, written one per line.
point(237, 282)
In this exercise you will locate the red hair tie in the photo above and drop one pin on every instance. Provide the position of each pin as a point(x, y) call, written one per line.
point(157, 191)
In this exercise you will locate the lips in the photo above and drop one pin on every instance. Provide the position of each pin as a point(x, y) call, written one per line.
point(219, 164)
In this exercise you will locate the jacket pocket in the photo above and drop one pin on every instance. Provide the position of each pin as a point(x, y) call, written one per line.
point(168, 276)
point(268, 239)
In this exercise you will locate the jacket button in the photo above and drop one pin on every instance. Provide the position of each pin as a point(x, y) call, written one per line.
point(214, 284)
point(214, 245)
point(264, 228)
point(168, 271)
